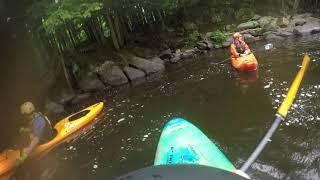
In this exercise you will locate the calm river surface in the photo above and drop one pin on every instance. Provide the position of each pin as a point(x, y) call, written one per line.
point(232, 110)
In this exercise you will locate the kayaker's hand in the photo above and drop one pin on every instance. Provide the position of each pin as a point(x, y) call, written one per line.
point(23, 130)
point(20, 160)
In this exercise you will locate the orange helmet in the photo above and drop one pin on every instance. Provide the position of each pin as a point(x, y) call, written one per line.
point(237, 35)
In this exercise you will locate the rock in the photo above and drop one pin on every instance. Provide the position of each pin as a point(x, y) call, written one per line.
point(147, 66)
point(104, 66)
point(255, 17)
point(209, 44)
point(167, 54)
point(202, 45)
point(248, 38)
point(52, 108)
point(176, 58)
point(217, 46)
point(308, 28)
point(189, 53)
point(65, 97)
point(133, 73)
point(208, 35)
point(283, 22)
point(230, 27)
point(315, 30)
point(254, 32)
point(143, 52)
point(248, 25)
point(113, 76)
point(302, 16)
point(274, 37)
point(228, 42)
point(91, 82)
point(283, 33)
point(80, 98)
point(298, 22)
point(190, 26)
point(157, 60)
point(265, 20)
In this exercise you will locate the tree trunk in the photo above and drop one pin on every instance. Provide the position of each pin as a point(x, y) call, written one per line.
point(118, 30)
point(113, 33)
point(295, 6)
point(66, 75)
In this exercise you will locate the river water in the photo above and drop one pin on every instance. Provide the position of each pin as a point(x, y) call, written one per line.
point(232, 110)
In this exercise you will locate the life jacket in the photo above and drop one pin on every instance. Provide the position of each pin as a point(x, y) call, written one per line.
point(41, 127)
point(240, 47)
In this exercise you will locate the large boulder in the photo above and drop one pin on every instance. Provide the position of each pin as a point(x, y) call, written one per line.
point(255, 17)
point(311, 27)
point(248, 38)
point(90, 82)
point(166, 54)
point(176, 56)
point(265, 20)
point(112, 74)
point(157, 60)
point(209, 44)
point(298, 22)
point(147, 66)
point(133, 73)
point(283, 22)
point(189, 53)
point(202, 45)
point(248, 25)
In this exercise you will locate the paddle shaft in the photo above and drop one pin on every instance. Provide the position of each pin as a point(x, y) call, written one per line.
point(281, 114)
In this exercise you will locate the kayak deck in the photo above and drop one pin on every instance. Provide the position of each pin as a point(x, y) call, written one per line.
point(183, 143)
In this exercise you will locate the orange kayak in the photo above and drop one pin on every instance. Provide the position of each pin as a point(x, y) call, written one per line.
point(245, 64)
point(66, 128)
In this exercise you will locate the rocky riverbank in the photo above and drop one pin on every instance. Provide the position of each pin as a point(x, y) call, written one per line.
point(136, 68)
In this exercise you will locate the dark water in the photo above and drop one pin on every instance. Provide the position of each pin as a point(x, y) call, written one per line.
point(232, 111)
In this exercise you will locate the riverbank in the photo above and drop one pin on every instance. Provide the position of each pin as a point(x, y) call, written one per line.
point(135, 64)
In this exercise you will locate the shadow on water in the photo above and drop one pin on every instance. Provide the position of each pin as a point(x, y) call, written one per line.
point(233, 110)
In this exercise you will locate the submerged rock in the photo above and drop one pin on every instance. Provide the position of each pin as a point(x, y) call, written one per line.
point(133, 73)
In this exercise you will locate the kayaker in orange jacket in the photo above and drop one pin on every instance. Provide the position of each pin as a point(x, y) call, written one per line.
point(238, 48)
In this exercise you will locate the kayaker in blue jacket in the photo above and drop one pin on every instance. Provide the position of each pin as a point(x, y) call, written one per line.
point(39, 129)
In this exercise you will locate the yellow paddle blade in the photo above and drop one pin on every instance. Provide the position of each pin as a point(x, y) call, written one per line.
point(286, 104)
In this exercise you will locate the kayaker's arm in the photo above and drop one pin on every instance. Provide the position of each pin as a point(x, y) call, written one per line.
point(34, 142)
point(234, 52)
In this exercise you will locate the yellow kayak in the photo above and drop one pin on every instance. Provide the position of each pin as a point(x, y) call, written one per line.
point(66, 128)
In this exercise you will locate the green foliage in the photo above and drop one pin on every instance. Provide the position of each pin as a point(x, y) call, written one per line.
point(54, 15)
point(195, 36)
point(219, 36)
